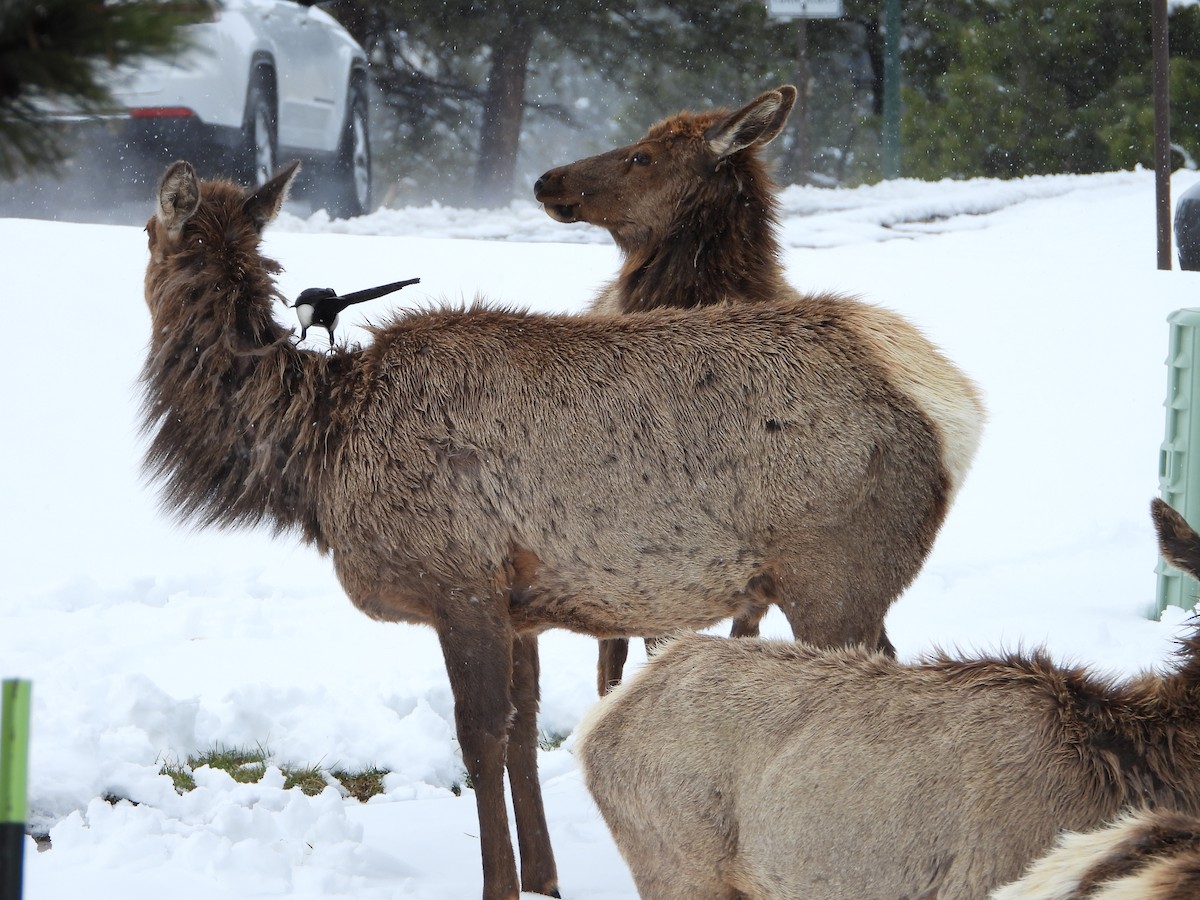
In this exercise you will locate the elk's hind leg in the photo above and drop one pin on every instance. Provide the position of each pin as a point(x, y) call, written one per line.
point(614, 652)
point(538, 873)
point(746, 625)
point(610, 665)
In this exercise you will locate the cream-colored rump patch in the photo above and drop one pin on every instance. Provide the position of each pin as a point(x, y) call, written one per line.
point(947, 397)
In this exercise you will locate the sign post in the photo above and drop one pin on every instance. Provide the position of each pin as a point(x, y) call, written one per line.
point(891, 89)
point(1161, 69)
point(801, 11)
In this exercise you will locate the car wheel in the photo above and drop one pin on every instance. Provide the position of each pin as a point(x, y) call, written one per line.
point(257, 156)
point(350, 188)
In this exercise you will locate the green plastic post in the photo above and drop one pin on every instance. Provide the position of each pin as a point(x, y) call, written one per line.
point(1179, 457)
point(14, 792)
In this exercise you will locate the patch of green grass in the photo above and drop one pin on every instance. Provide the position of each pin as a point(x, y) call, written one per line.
point(362, 785)
point(247, 765)
point(180, 775)
point(244, 765)
point(311, 780)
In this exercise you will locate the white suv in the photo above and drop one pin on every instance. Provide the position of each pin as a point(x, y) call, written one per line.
point(263, 81)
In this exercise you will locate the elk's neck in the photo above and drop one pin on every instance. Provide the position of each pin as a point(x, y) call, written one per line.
point(241, 422)
point(1146, 735)
point(712, 253)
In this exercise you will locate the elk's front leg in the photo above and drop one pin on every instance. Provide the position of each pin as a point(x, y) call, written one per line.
point(538, 872)
point(477, 644)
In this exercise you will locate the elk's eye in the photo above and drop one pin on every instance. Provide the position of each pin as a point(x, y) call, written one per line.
point(640, 159)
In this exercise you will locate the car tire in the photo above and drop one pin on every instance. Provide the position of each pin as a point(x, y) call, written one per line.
point(257, 155)
point(350, 178)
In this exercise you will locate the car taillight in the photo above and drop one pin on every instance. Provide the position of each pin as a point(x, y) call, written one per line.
point(161, 112)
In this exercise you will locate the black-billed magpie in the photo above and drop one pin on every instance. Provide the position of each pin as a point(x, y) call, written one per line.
point(321, 306)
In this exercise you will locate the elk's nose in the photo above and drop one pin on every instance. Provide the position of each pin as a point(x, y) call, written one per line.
point(550, 181)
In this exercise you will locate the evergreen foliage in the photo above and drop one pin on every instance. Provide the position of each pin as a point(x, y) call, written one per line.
point(59, 50)
point(595, 73)
point(1020, 87)
point(991, 87)
point(472, 100)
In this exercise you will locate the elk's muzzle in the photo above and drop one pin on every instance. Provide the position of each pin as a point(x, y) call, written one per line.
point(549, 191)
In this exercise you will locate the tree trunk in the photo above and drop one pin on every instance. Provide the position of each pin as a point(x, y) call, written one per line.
point(503, 108)
point(873, 41)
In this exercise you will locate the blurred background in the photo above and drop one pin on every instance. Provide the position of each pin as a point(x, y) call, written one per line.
point(468, 102)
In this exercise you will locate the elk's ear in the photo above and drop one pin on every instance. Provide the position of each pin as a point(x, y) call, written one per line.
point(264, 204)
point(755, 124)
point(178, 195)
point(1178, 543)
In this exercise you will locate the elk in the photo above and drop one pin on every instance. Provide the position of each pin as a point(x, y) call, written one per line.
point(1144, 855)
point(765, 769)
point(693, 209)
point(495, 473)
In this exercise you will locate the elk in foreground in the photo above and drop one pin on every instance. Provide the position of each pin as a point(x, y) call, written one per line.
point(693, 209)
point(494, 474)
point(1144, 855)
point(764, 769)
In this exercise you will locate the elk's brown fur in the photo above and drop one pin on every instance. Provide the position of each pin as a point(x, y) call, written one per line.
point(1144, 855)
point(493, 473)
point(764, 769)
point(692, 207)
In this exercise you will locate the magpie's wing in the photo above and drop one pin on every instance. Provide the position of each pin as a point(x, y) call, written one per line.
point(313, 296)
point(329, 309)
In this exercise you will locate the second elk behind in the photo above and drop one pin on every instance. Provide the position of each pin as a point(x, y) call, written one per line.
point(694, 211)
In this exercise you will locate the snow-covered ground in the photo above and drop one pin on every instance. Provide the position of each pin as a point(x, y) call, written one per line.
point(147, 642)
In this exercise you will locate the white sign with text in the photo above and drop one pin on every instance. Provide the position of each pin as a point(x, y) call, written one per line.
point(804, 9)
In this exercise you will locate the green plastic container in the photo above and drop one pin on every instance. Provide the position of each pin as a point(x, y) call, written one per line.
point(1179, 457)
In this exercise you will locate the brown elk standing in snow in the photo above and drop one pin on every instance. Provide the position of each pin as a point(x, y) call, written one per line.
point(765, 770)
point(1144, 855)
point(494, 474)
point(692, 207)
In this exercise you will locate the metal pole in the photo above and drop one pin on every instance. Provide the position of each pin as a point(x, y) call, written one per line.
point(14, 795)
point(800, 173)
point(1162, 131)
point(891, 89)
